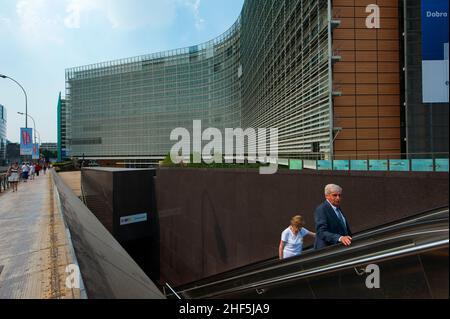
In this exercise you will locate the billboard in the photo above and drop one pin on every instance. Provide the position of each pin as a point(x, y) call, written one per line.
point(435, 51)
point(36, 153)
point(26, 144)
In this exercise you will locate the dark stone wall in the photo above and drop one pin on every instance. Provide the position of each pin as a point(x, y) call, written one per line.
point(113, 193)
point(107, 270)
point(212, 221)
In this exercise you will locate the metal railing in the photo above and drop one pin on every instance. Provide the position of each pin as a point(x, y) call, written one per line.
point(413, 162)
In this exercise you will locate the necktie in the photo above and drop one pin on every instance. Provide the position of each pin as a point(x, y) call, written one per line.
point(341, 217)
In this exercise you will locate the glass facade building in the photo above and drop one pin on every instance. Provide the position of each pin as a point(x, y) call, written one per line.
point(287, 73)
point(271, 69)
point(64, 124)
point(2, 134)
point(128, 108)
point(333, 87)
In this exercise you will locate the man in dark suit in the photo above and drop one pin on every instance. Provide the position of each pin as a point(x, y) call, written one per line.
point(331, 225)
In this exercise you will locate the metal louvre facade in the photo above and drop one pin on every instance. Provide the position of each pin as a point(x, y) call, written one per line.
point(286, 72)
point(128, 108)
point(2, 133)
point(272, 69)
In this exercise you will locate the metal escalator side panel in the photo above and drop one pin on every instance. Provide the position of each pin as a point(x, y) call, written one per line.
point(394, 243)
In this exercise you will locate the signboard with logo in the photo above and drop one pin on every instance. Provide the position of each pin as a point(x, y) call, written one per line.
point(134, 219)
point(26, 144)
point(435, 51)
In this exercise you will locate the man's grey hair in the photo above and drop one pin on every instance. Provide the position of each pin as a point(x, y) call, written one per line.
point(332, 188)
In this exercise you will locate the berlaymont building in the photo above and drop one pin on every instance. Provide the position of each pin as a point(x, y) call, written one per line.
point(333, 85)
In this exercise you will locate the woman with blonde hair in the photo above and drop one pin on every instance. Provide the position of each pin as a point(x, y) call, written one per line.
point(291, 244)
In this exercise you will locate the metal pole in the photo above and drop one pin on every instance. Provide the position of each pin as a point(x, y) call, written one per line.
point(330, 77)
point(39, 137)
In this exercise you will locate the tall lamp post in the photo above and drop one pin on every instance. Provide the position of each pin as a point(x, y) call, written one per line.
point(39, 137)
point(24, 92)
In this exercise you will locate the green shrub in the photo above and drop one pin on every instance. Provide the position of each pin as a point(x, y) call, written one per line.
point(167, 162)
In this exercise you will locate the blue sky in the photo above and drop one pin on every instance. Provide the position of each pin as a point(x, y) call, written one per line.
point(39, 39)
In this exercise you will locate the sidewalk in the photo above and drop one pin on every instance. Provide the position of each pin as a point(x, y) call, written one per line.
point(33, 245)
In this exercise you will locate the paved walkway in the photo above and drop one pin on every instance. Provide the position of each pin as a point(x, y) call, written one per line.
point(33, 244)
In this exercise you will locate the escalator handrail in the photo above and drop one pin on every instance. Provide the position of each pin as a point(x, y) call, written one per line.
point(404, 250)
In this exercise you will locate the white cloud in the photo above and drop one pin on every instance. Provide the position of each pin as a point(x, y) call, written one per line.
point(194, 5)
point(46, 19)
point(122, 14)
point(132, 14)
point(38, 21)
point(75, 9)
point(5, 22)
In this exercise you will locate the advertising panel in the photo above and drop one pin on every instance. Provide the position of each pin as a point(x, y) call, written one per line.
point(26, 144)
point(435, 51)
point(35, 154)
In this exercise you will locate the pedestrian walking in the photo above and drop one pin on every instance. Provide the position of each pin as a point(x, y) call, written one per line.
point(14, 176)
point(32, 171)
point(25, 172)
point(38, 169)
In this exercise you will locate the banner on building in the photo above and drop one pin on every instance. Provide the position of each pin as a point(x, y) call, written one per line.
point(36, 153)
point(26, 143)
point(435, 51)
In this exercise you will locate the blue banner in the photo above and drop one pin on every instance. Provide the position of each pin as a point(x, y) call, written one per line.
point(435, 51)
point(26, 143)
point(36, 153)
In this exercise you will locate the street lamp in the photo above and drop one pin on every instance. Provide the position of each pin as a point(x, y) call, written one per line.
point(24, 92)
point(39, 137)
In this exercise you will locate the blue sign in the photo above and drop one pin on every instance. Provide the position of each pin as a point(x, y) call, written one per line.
point(26, 143)
point(36, 153)
point(435, 51)
point(134, 219)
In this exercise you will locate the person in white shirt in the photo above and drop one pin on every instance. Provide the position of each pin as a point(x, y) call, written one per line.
point(291, 243)
point(32, 171)
point(25, 172)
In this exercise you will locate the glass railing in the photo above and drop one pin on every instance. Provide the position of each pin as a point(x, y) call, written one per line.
point(373, 165)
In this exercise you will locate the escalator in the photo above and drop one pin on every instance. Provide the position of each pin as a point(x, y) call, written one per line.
point(405, 259)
